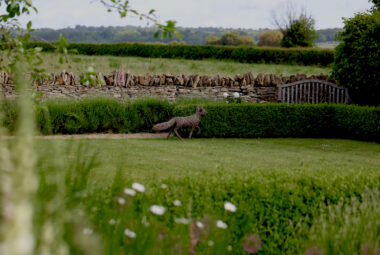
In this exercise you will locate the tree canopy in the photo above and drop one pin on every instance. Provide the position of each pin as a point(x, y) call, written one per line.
point(357, 59)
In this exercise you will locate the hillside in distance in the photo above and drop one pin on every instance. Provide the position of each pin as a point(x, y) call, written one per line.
point(195, 36)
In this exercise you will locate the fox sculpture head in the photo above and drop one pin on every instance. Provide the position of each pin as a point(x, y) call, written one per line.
point(201, 110)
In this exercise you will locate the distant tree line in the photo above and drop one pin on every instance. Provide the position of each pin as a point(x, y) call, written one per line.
point(193, 36)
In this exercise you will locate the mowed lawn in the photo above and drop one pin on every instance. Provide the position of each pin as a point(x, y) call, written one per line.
point(148, 160)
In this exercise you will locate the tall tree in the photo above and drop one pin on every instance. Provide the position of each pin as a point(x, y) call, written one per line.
point(357, 57)
point(296, 26)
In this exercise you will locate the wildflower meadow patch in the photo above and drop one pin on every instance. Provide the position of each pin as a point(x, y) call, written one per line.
point(208, 197)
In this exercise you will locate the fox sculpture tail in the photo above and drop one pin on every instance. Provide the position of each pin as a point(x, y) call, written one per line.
point(164, 125)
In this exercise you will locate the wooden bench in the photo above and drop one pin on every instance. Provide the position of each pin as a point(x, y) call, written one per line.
point(312, 91)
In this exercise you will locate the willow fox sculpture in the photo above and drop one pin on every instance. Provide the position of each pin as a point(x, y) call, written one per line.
point(180, 122)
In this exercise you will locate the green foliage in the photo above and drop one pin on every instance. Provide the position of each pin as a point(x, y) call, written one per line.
point(15, 9)
point(243, 120)
point(300, 33)
point(321, 57)
point(212, 40)
point(282, 206)
point(247, 40)
point(101, 115)
point(230, 39)
point(348, 226)
point(192, 36)
point(357, 58)
point(280, 201)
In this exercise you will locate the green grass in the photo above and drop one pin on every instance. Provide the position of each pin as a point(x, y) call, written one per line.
point(327, 45)
point(137, 65)
point(281, 188)
point(141, 159)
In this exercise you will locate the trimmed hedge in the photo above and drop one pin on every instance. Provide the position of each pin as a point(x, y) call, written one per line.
point(95, 115)
point(101, 115)
point(281, 120)
point(302, 56)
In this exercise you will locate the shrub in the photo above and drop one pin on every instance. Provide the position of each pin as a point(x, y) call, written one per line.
point(301, 56)
point(230, 39)
point(300, 33)
point(270, 38)
point(357, 58)
point(212, 40)
point(247, 40)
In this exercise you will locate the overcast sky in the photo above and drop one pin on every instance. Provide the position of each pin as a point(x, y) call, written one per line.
point(192, 13)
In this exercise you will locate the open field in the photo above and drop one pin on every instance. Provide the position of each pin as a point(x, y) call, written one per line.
point(280, 188)
point(137, 65)
point(327, 45)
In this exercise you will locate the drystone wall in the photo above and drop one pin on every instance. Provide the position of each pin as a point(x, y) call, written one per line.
point(123, 85)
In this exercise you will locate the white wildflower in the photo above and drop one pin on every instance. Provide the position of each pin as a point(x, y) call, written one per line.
point(121, 200)
point(221, 224)
point(129, 233)
point(157, 209)
point(210, 243)
point(112, 222)
point(229, 248)
point(87, 231)
point(181, 221)
point(164, 186)
point(236, 95)
point(138, 187)
point(225, 94)
point(229, 207)
point(177, 203)
point(200, 224)
point(129, 192)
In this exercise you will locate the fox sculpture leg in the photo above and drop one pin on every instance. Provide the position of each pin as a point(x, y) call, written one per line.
point(191, 132)
point(170, 132)
point(175, 131)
